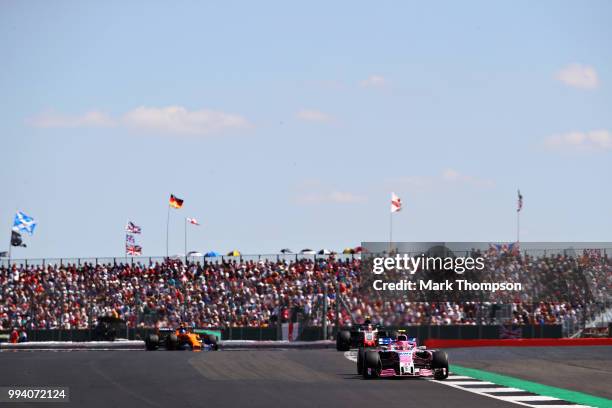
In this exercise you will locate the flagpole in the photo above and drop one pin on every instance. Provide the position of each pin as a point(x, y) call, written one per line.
point(518, 226)
point(519, 207)
point(185, 241)
point(11, 243)
point(10, 247)
point(390, 231)
point(167, 228)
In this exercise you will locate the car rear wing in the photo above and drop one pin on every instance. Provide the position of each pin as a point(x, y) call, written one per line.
point(166, 330)
point(384, 341)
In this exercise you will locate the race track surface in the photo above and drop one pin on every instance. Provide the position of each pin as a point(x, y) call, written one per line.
point(245, 378)
point(583, 369)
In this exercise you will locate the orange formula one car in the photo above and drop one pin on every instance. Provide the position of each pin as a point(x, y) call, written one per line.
point(180, 338)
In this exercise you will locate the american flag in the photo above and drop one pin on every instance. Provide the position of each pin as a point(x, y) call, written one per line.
point(133, 250)
point(520, 202)
point(396, 203)
point(132, 228)
point(129, 239)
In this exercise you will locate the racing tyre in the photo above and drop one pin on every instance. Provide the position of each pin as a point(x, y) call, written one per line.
point(171, 342)
point(212, 340)
point(372, 366)
point(439, 363)
point(360, 358)
point(343, 340)
point(151, 342)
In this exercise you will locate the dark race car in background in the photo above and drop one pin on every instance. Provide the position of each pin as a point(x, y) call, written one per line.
point(364, 335)
point(108, 328)
point(402, 357)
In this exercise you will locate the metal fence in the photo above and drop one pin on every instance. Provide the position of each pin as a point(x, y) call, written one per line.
point(603, 252)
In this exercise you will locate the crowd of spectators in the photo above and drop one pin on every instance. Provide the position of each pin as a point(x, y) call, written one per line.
point(257, 293)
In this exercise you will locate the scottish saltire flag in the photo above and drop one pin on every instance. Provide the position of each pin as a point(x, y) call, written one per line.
point(24, 223)
point(129, 239)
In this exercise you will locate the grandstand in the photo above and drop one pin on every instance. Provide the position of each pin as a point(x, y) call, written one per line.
point(263, 291)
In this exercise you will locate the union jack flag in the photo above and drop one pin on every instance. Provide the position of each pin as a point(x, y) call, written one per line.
point(134, 250)
point(133, 228)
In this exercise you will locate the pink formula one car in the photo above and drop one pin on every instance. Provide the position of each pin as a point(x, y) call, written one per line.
point(402, 357)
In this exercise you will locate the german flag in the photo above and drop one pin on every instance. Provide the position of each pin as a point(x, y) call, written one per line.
point(175, 202)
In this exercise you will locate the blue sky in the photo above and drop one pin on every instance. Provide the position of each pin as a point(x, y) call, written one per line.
point(288, 125)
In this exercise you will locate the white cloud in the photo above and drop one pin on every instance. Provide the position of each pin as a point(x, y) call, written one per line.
point(373, 81)
point(313, 115)
point(176, 119)
point(415, 181)
point(345, 197)
point(314, 191)
point(169, 119)
point(342, 197)
point(596, 140)
point(56, 120)
point(578, 76)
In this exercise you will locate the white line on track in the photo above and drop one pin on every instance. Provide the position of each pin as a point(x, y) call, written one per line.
point(504, 389)
point(565, 406)
point(518, 400)
point(527, 398)
point(461, 383)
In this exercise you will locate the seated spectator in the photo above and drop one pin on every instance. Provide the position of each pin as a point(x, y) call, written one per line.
point(14, 336)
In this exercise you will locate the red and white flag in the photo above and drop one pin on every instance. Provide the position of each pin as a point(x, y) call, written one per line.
point(396, 203)
point(192, 221)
